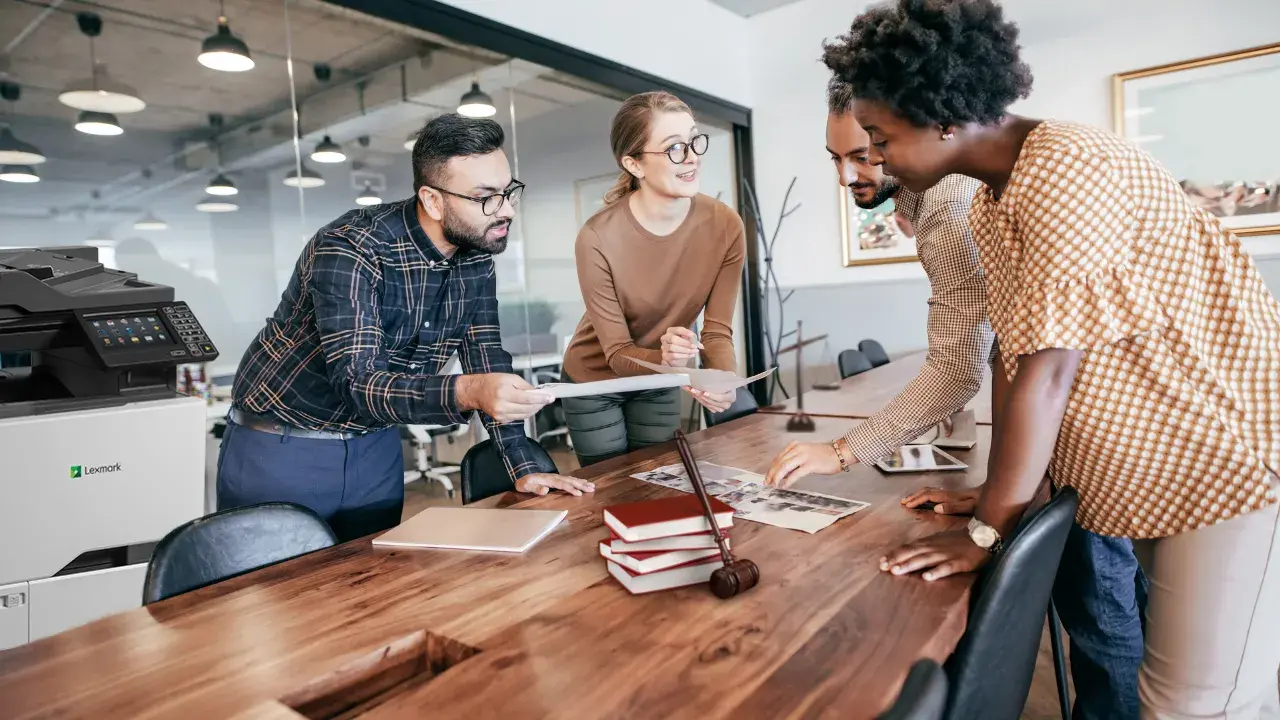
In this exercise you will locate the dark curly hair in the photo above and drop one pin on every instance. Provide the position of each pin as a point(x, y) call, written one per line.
point(935, 62)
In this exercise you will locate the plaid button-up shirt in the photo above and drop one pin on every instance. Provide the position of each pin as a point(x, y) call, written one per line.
point(372, 315)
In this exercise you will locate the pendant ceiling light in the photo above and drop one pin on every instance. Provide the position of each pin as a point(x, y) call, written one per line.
point(216, 205)
point(308, 179)
point(221, 185)
point(12, 150)
point(19, 174)
point(328, 151)
point(224, 51)
point(368, 196)
point(15, 152)
point(98, 123)
point(100, 92)
point(476, 103)
point(150, 222)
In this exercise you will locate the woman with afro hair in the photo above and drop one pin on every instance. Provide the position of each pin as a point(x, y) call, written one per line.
point(1140, 346)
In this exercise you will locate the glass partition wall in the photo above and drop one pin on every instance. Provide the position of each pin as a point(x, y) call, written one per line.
point(200, 144)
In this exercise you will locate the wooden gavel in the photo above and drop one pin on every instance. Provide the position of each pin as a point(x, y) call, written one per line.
point(737, 576)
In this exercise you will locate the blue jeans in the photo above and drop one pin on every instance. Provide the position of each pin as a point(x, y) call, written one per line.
point(357, 485)
point(1101, 595)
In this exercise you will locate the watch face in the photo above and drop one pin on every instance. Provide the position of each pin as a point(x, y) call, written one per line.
point(983, 535)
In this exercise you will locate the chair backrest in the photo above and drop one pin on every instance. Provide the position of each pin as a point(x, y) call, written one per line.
point(744, 404)
point(923, 695)
point(484, 474)
point(991, 668)
point(852, 362)
point(231, 542)
point(874, 352)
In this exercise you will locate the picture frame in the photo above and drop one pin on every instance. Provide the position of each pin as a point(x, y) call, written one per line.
point(1177, 112)
point(872, 237)
point(588, 195)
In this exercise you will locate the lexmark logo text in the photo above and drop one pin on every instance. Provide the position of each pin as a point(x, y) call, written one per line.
point(81, 470)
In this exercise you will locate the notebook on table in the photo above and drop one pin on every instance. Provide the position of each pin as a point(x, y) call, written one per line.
point(484, 529)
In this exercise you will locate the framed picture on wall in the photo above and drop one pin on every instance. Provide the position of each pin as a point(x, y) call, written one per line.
point(588, 195)
point(1211, 122)
point(873, 237)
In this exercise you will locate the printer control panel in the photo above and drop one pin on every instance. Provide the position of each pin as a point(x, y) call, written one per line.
point(145, 335)
point(190, 335)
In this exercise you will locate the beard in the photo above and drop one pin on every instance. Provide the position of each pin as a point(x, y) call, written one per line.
point(889, 187)
point(459, 233)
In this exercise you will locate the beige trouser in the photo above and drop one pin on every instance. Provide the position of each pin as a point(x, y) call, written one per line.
point(1213, 621)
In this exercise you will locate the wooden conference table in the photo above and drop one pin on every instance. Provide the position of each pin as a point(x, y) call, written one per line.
point(355, 631)
point(862, 395)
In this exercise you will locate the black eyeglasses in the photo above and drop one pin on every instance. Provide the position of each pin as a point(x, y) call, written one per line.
point(679, 152)
point(491, 204)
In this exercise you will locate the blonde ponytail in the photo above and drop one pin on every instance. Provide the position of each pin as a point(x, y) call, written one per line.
point(625, 185)
point(630, 132)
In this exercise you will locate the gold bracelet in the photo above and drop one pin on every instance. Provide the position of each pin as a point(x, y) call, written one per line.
point(844, 464)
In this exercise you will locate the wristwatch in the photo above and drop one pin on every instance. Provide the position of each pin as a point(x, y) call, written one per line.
point(985, 536)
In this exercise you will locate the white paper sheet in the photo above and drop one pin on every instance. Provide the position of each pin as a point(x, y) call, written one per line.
point(752, 500)
point(714, 381)
point(616, 385)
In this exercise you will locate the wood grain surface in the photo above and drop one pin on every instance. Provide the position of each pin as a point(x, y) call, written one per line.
point(355, 631)
point(862, 396)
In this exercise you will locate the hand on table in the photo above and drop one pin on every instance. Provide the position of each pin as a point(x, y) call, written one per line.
point(503, 397)
point(542, 483)
point(715, 402)
point(938, 556)
point(946, 502)
point(679, 346)
point(799, 460)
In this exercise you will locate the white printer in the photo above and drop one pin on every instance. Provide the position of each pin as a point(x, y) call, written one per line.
point(100, 457)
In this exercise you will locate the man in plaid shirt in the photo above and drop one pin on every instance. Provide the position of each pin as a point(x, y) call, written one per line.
point(380, 301)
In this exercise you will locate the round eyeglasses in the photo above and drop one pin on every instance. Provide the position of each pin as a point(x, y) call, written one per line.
point(679, 152)
point(491, 204)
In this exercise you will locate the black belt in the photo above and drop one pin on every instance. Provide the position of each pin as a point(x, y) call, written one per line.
point(275, 427)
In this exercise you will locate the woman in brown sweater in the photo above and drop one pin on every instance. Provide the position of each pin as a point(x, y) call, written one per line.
point(656, 256)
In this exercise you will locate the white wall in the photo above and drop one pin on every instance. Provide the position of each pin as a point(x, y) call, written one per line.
point(1073, 49)
point(693, 42)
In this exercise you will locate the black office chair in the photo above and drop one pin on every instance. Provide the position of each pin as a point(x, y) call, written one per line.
point(852, 362)
point(484, 474)
point(990, 671)
point(231, 542)
point(874, 352)
point(744, 404)
point(923, 695)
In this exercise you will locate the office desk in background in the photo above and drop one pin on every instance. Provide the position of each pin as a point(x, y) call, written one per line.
point(862, 396)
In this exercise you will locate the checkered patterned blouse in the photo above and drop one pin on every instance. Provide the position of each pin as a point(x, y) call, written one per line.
point(1174, 418)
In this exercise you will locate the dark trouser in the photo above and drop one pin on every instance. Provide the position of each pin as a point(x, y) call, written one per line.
point(605, 426)
point(356, 485)
point(1101, 595)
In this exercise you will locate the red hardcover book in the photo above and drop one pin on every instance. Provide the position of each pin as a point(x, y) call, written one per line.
point(689, 574)
point(692, 541)
point(647, 562)
point(664, 517)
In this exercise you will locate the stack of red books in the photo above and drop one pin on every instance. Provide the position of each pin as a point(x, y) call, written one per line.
point(662, 544)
